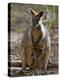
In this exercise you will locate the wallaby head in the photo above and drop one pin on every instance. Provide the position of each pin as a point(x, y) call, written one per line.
point(37, 22)
point(36, 16)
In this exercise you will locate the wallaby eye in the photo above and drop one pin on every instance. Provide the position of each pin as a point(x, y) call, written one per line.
point(38, 18)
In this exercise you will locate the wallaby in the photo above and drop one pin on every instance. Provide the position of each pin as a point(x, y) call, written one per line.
point(36, 43)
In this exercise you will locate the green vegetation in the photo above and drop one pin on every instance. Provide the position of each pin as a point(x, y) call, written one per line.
point(21, 18)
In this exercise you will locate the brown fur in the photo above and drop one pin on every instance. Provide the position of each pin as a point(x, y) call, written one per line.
point(35, 53)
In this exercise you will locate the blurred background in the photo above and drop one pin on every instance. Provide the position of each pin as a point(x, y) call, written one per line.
point(20, 19)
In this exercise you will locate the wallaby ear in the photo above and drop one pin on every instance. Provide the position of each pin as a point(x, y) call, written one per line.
point(40, 14)
point(32, 12)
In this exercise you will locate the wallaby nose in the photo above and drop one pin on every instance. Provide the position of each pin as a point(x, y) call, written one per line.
point(33, 25)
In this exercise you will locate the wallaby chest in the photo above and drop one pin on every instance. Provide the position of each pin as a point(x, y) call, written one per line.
point(36, 34)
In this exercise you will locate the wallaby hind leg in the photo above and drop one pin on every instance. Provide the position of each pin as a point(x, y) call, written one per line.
point(45, 61)
point(23, 58)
